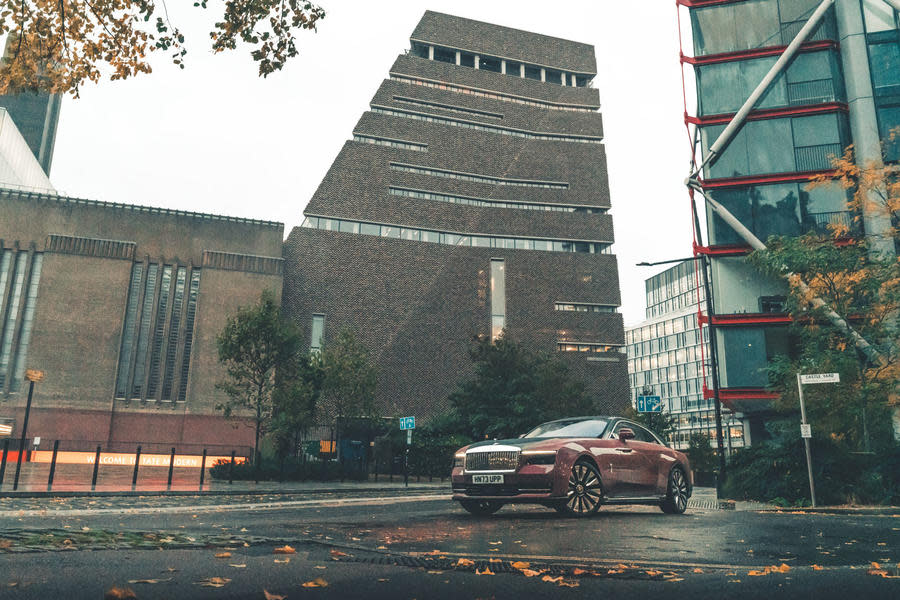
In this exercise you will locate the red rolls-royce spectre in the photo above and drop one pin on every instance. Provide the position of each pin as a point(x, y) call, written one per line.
point(574, 465)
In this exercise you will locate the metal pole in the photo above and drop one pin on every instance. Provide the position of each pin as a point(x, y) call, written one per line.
point(52, 465)
point(137, 463)
point(96, 469)
point(231, 469)
point(202, 468)
point(22, 438)
point(812, 486)
point(171, 469)
point(3, 460)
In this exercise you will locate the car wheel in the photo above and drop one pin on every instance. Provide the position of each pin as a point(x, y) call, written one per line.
point(481, 508)
point(677, 493)
point(585, 493)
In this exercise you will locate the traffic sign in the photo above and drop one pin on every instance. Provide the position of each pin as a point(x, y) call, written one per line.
point(820, 378)
point(649, 404)
point(805, 430)
point(407, 423)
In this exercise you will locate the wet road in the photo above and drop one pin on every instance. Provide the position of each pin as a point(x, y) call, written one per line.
point(424, 546)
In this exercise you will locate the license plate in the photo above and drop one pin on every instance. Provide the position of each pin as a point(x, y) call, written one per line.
point(487, 478)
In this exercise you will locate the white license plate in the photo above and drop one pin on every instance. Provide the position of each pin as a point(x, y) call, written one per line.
point(487, 478)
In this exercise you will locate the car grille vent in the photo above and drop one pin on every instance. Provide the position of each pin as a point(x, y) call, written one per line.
point(505, 460)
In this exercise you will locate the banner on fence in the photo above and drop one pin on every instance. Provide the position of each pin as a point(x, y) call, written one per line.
point(120, 458)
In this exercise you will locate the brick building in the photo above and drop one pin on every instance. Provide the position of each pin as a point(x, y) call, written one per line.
point(120, 306)
point(472, 197)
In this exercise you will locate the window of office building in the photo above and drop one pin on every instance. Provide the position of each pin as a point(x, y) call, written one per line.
point(812, 78)
point(157, 332)
point(884, 59)
point(444, 55)
point(781, 209)
point(498, 297)
point(754, 24)
point(791, 144)
point(745, 353)
point(879, 16)
point(888, 126)
point(317, 333)
point(19, 281)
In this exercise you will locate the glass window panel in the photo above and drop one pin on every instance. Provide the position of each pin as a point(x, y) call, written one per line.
point(498, 297)
point(370, 229)
point(128, 329)
point(889, 128)
point(12, 311)
point(770, 148)
point(532, 72)
point(159, 330)
point(410, 234)
point(137, 385)
point(431, 236)
point(487, 63)
point(174, 330)
point(390, 232)
point(27, 322)
point(317, 331)
point(348, 227)
point(885, 61)
point(878, 16)
point(466, 59)
point(193, 293)
point(445, 55)
point(481, 242)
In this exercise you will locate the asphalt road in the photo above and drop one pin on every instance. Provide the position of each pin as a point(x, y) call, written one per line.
point(424, 546)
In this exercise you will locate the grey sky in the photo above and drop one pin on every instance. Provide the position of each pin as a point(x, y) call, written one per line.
point(216, 138)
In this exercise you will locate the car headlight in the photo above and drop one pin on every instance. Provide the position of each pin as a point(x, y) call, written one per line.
point(459, 460)
point(539, 457)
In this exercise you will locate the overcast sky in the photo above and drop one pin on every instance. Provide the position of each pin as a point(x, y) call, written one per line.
point(216, 138)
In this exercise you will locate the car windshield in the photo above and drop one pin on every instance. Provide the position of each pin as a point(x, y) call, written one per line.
point(577, 428)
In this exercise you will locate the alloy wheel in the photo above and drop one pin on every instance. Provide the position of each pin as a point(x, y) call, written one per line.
point(677, 497)
point(585, 493)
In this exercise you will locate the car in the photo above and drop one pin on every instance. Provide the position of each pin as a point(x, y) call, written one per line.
point(573, 465)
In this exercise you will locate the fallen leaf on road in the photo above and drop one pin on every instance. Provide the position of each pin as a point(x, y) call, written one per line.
point(755, 573)
point(675, 579)
point(85, 528)
point(487, 571)
point(315, 583)
point(567, 583)
point(653, 573)
point(495, 543)
point(697, 570)
point(117, 593)
point(494, 560)
point(493, 550)
point(240, 566)
point(5, 544)
point(319, 567)
point(435, 572)
point(336, 554)
point(577, 571)
point(12, 584)
point(381, 548)
point(215, 582)
point(530, 573)
point(270, 596)
point(520, 565)
point(383, 580)
point(734, 581)
point(549, 579)
point(243, 529)
point(150, 581)
point(782, 569)
point(286, 550)
point(284, 561)
point(817, 568)
point(465, 562)
point(223, 555)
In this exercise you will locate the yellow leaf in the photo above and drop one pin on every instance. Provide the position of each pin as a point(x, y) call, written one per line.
point(530, 573)
point(755, 573)
point(283, 561)
point(215, 582)
point(487, 571)
point(149, 581)
point(550, 579)
point(286, 550)
point(782, 569)
point(336, 554)
point(520, 565)
point(568, 583)
point(697, 570)
point(270, 596)
point(315, 583)
point(465, 562)
point(494, 560)
point(240, 566)
point(816, 568)
point(117, 593)
point(223, 555)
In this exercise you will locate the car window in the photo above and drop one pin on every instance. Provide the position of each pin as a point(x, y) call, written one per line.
point(643, 435)
point(580, 428)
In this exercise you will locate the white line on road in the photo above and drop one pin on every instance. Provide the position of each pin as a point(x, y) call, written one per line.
point(150, 510)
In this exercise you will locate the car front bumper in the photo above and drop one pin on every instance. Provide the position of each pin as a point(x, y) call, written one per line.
point(530, 483)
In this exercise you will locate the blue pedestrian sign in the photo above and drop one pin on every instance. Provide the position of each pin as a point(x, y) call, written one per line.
point(646, 404)
point(407, 423)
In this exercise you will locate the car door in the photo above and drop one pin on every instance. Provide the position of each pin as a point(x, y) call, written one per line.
point(625, 463)
point(647, 474)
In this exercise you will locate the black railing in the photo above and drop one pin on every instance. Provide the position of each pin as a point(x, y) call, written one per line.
point(811, 92)
point(816, 158)
point(825, 222)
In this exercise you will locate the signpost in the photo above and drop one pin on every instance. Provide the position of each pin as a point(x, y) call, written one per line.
point(805, 428)
point(407, 424)
point(649, 404)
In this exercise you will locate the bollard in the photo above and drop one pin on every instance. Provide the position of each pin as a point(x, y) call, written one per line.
point(171, 468)
point(96, 469)
point(231, 469)
point(202, 468)
point(3, 460)
point(52, 465)
point(137, 463)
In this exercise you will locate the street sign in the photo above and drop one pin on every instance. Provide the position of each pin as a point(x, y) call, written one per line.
point(649, 404)
point(820, 378)
point(407, 423)
point(805, 430)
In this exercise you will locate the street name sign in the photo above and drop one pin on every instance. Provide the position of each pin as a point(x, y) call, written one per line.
point(407, 423)
point(820, 378)
point(805, 430)
point(649, 404)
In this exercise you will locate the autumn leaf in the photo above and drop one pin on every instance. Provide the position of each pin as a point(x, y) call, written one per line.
point(495, 543)
point(149, 581)
point(117, 593)
point(271, 596)
point(285, 550)
point(550, 579)
point(283, 561)
point(520, 565)
point(223, 555)
point(755, 573)
point(530, 573)
point(465, 562)
point(568, 583)
point(697, 570)
point(494, 560)
point(336, 554)
point(240, 566)
point(816, 568)
point(486, 571)
point(215, 582)
point(315, 583)
point(5, 544)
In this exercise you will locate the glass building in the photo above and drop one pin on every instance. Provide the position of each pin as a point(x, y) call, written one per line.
point(666, 353)
point(842, 88)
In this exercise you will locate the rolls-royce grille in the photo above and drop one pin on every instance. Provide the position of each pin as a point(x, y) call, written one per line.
point(505, 460)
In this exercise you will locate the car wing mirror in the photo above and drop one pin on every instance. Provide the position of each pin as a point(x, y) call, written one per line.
point(626, 434)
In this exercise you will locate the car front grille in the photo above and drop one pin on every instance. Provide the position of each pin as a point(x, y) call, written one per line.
point(501, 460)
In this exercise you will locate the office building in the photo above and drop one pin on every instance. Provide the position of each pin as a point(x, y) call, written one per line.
point(471, 199)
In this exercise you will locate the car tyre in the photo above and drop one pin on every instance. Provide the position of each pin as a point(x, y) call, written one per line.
point(481, 508)
point(676, 499)
point(585, 492)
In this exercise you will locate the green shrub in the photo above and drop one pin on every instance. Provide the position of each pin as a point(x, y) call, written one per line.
point(293, 470)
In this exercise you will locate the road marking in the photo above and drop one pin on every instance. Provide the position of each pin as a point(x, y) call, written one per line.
point(145, 510)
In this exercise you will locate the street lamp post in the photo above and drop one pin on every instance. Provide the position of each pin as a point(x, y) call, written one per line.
point(31, 375)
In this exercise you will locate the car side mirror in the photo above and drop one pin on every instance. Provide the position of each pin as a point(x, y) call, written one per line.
point(626, 434)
